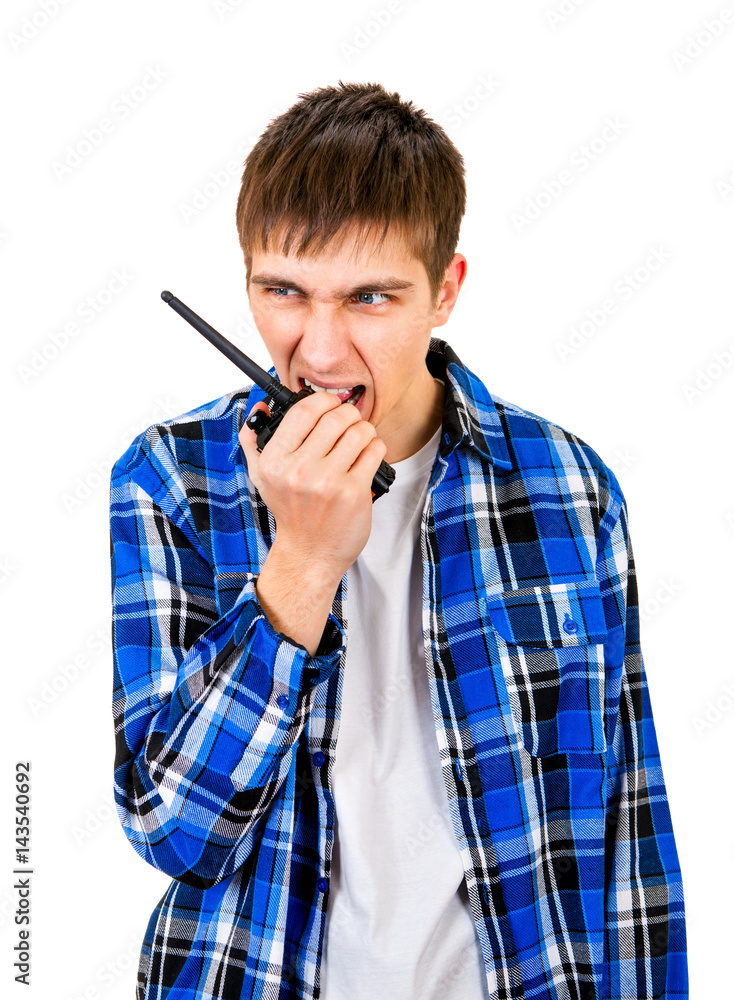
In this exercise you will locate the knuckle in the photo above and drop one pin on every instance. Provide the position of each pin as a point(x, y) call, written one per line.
point(366, 432)
point(326, 486)
point(307, 412)
point(322, 401)
point(270, 466)
point(354, 496)
point(342, 414)
point(295, 478)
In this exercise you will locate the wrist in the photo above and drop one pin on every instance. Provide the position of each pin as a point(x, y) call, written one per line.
point(301, 568)
point(296, 599)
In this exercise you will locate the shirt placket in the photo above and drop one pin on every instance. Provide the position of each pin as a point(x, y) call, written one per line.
point(471, 830)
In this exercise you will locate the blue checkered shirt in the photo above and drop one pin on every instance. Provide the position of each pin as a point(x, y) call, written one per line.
point(226, 731)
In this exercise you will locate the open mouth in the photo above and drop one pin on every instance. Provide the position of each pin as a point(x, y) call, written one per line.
point(348, 394)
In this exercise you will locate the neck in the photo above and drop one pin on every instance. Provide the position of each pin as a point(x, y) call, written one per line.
point(424, 431)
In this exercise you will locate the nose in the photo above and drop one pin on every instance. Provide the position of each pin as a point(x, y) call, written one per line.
point(325, 344)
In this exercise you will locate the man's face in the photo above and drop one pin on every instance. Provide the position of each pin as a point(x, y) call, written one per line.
point(343, 319)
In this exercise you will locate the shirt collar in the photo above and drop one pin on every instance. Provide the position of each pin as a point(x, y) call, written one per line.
point(469, 411)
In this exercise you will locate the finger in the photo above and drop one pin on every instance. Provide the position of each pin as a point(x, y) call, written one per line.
point(331, 428)
point(301, 419)
point(247, 436)
point(368, 462)
point(347, 448)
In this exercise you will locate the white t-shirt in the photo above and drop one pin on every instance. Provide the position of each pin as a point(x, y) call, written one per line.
point(399, 923)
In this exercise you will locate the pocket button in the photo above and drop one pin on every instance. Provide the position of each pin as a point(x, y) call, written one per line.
point(569, 625)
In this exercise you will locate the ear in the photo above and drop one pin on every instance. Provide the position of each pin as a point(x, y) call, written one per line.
point(449, 291)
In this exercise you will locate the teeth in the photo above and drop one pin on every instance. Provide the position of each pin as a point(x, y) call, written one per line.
point(321, 388)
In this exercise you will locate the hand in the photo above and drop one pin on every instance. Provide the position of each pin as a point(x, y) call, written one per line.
point(315, 475)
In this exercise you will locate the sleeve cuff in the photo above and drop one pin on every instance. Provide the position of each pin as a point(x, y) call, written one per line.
point(294, 667)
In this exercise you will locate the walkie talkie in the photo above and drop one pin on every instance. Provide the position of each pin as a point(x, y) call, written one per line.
point(280, 396)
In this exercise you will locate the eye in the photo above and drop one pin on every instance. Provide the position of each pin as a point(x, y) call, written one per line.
point(282, 293)
point(373, 296)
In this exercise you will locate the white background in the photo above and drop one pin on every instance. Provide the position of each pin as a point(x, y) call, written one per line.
point(521, 88)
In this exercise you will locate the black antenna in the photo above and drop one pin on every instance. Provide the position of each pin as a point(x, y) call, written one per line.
point(279, 393)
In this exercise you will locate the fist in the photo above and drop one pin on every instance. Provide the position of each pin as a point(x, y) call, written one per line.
point(315, 475)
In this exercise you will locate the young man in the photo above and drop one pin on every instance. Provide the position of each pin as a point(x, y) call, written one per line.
point(393, 750)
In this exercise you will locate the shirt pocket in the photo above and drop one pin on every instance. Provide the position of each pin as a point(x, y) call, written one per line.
point(550, 641)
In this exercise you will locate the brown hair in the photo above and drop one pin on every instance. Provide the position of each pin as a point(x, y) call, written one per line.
point(353, 156)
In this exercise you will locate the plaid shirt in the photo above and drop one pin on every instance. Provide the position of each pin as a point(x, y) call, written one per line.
point(227, 731)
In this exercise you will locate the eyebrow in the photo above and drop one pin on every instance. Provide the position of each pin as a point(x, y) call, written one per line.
point(379, 285)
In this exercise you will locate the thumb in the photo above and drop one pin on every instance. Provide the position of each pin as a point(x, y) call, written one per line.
point(248, 438)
